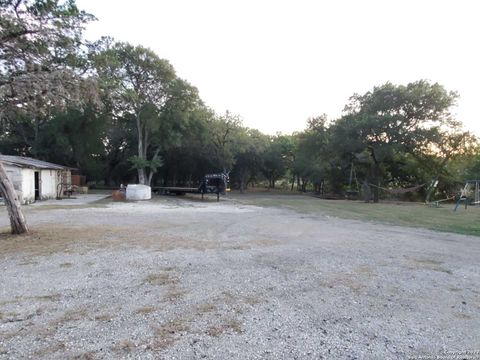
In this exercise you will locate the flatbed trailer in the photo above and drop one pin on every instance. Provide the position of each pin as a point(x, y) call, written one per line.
point(211, 184)
point(169, 190)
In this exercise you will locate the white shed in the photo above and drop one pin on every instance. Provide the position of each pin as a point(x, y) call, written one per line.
point(35, 179)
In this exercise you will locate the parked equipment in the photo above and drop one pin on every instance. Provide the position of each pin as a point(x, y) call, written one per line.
point(211, 184)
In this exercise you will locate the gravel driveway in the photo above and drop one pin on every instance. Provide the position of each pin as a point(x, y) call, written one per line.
point(181, 279)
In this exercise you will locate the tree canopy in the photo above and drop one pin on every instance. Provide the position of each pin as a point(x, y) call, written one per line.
point(40, 71)
point(119, 113)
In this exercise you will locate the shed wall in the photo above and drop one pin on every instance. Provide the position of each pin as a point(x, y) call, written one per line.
point(28, 186)
point(23, 180)
point(48, 184)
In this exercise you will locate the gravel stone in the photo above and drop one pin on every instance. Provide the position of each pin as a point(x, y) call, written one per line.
point(182, 279)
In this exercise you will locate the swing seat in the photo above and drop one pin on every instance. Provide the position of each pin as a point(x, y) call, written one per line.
point(436, 203)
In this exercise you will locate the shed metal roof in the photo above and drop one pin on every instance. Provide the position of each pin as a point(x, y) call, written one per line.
point(26, 162)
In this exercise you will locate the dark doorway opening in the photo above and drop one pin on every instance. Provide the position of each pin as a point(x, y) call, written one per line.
point(37, 185)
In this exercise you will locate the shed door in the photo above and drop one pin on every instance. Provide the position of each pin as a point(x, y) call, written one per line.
point(37, 185)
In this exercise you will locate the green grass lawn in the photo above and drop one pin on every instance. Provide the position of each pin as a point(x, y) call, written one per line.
point(405, 214)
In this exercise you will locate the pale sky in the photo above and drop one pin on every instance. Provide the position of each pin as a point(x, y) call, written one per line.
point(276, 63)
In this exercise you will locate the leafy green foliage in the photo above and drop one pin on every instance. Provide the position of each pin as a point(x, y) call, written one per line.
point(277, 158)
point(387, 124)
point(138, 84)
point(252, 145)
point(224, 132)
point(312, 160)
point(119, 113)
point(41, 58)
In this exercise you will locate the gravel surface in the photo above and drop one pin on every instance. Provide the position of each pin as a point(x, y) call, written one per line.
point(180, 279)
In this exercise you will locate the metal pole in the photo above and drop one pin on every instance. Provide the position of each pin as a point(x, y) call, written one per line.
point(476, 192)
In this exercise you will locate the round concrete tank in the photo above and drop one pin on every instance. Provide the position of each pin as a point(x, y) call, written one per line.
point(138, 192)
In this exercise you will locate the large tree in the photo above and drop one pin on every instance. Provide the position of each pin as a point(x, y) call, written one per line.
point(42, 63)
point(311, 161)
point(140, 85)
point(383, 125)
point(448, 144)
point(40, 42)
point(277, 158)
point(224, 136)
point(248, 156)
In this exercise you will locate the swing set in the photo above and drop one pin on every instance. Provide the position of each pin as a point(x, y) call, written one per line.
point(469, 186)
point(353, 192)
point(399, 191)
point(436, 203)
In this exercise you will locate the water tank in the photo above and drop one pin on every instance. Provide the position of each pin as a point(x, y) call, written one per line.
point(138, 192)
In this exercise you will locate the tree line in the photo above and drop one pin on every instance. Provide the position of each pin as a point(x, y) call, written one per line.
point(120, 113)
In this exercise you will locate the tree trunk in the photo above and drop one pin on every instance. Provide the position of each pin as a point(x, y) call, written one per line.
point(17, 220)
point(378, 182)
point(242, 184)
point(150, 177)
point(36, 127)
point(376, 175)
point(142, 147)
point(367, 194)
point(174, 180)
point(304, 185)
point(376, 193)
point(142, 179)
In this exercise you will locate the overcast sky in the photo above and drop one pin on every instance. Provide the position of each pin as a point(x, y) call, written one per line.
point(276, 63)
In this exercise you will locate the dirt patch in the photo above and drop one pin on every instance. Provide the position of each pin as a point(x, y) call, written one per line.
point(356, 281)
point(45, 207)
point(51, 297)
point(365, 271)
point(70, 316)
point(45, 240)
point(161, 279)
point(15, 317)
point(205, 308)
point(51, 349)
point(264, 242)
point(174, 294)
point(10, 316)
point(226, 326)
point(254, 300)
point(89, 355)
point(103, 317)
point(211, 280)
point(431, 264)
point(7, 335)
point(462, 316)
point(455, 289)
point(144, 310)
point(50, 239)
point(167, 334)
point(123, 347)
point(28, 262)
